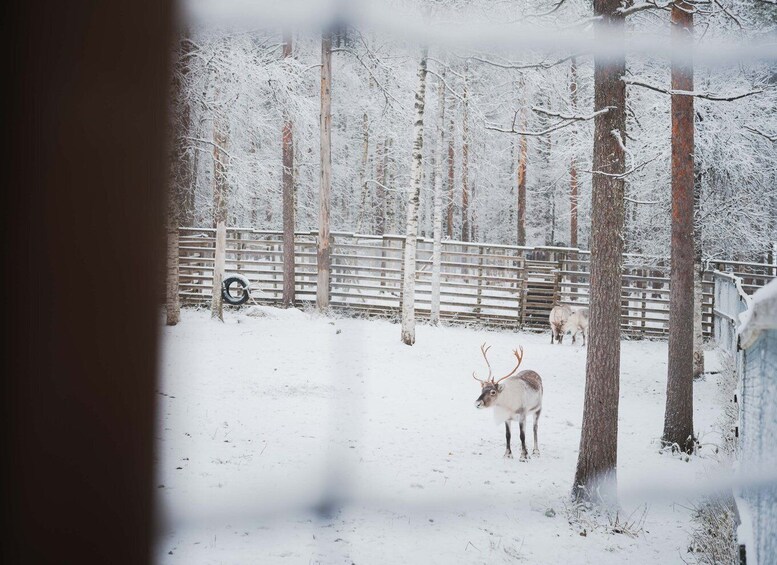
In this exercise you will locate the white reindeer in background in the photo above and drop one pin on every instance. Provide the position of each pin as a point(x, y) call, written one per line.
point(513, 397)
point(577, 323)
point(558, 318)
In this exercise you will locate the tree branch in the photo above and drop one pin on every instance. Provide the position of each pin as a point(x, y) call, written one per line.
point(646, 5)
point(704, 95)
point(445, 83)
point(549, 12)
point(624, 174)
point(761, 133)
point(509, 65)
point(565, 121)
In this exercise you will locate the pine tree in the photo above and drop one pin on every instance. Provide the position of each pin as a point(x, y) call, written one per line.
point(598, 456)
point(678, 418)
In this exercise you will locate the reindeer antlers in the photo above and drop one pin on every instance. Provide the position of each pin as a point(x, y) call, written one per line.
point(484, 350)
point(519, 356)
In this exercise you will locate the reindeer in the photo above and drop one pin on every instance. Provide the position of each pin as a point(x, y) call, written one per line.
point(558, 318)
point(513, 397)
point(577, 323)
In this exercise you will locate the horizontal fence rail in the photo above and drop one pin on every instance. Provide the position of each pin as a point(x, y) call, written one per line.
point(496, 285)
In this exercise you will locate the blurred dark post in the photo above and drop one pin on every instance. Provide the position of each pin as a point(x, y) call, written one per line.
point(82, 198)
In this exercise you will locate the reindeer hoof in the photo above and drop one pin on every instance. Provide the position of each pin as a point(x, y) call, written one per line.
point(536, 453)
point(524, 458)
point(508, 455)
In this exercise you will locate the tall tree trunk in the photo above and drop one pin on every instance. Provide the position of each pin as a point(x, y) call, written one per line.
point(678, 418)
point(324, 250)
point(364, 186)
point(572, 163)
point(465, 162)
point(289, 274)
point(380, 192)
point(219, 215)
point(172, 302)
point(595, 477)
point(411, 235)
point(521, 174)
point(451, 175)
point(179, 185)
point(437, 245)
point(392, 199)
point(698, 275)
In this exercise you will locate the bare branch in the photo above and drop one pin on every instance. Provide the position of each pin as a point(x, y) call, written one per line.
point(549, 12)
point(761, 133)
point(624, 174)
point(516, 66)
point(386, 94)
point(566, 121)
point(704, 95)
point(646, 5)
point(552, 114)
point(728, 13)
point(447, 86)
point(647, 202)
point(211, 143)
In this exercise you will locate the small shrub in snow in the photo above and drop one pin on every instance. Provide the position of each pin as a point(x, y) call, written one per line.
point(713, 540)
point(586, 518)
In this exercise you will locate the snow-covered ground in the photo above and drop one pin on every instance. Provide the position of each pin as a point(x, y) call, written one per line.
point(293, 438)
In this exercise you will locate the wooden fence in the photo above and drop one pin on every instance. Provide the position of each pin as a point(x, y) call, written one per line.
point(496, 285)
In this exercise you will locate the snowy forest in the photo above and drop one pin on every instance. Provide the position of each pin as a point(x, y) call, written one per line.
point(508, 130)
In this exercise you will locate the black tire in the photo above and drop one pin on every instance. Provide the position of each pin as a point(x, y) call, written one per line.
point(240, 289)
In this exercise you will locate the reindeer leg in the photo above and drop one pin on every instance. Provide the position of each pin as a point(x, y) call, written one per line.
point(522, 425)
point(508, 451)
point(536, 450)
point(583, 331)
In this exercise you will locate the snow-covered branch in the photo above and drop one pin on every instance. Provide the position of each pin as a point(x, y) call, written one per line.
point(644, 5)
point(772, 137)
point(695, 94)
point(624, 174)
point(565, 121)
point(523, 66)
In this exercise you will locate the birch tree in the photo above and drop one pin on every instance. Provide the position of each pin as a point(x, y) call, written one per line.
point(411, 234)
point(324, 251)
point(437, 213)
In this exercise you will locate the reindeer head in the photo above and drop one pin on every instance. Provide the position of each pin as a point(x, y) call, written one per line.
point(490, 388)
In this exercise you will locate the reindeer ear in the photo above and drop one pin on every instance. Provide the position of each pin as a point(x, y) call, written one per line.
point(500, 387)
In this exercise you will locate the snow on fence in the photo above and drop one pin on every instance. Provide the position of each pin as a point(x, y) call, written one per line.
point(498, 285)
point(746, 329)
